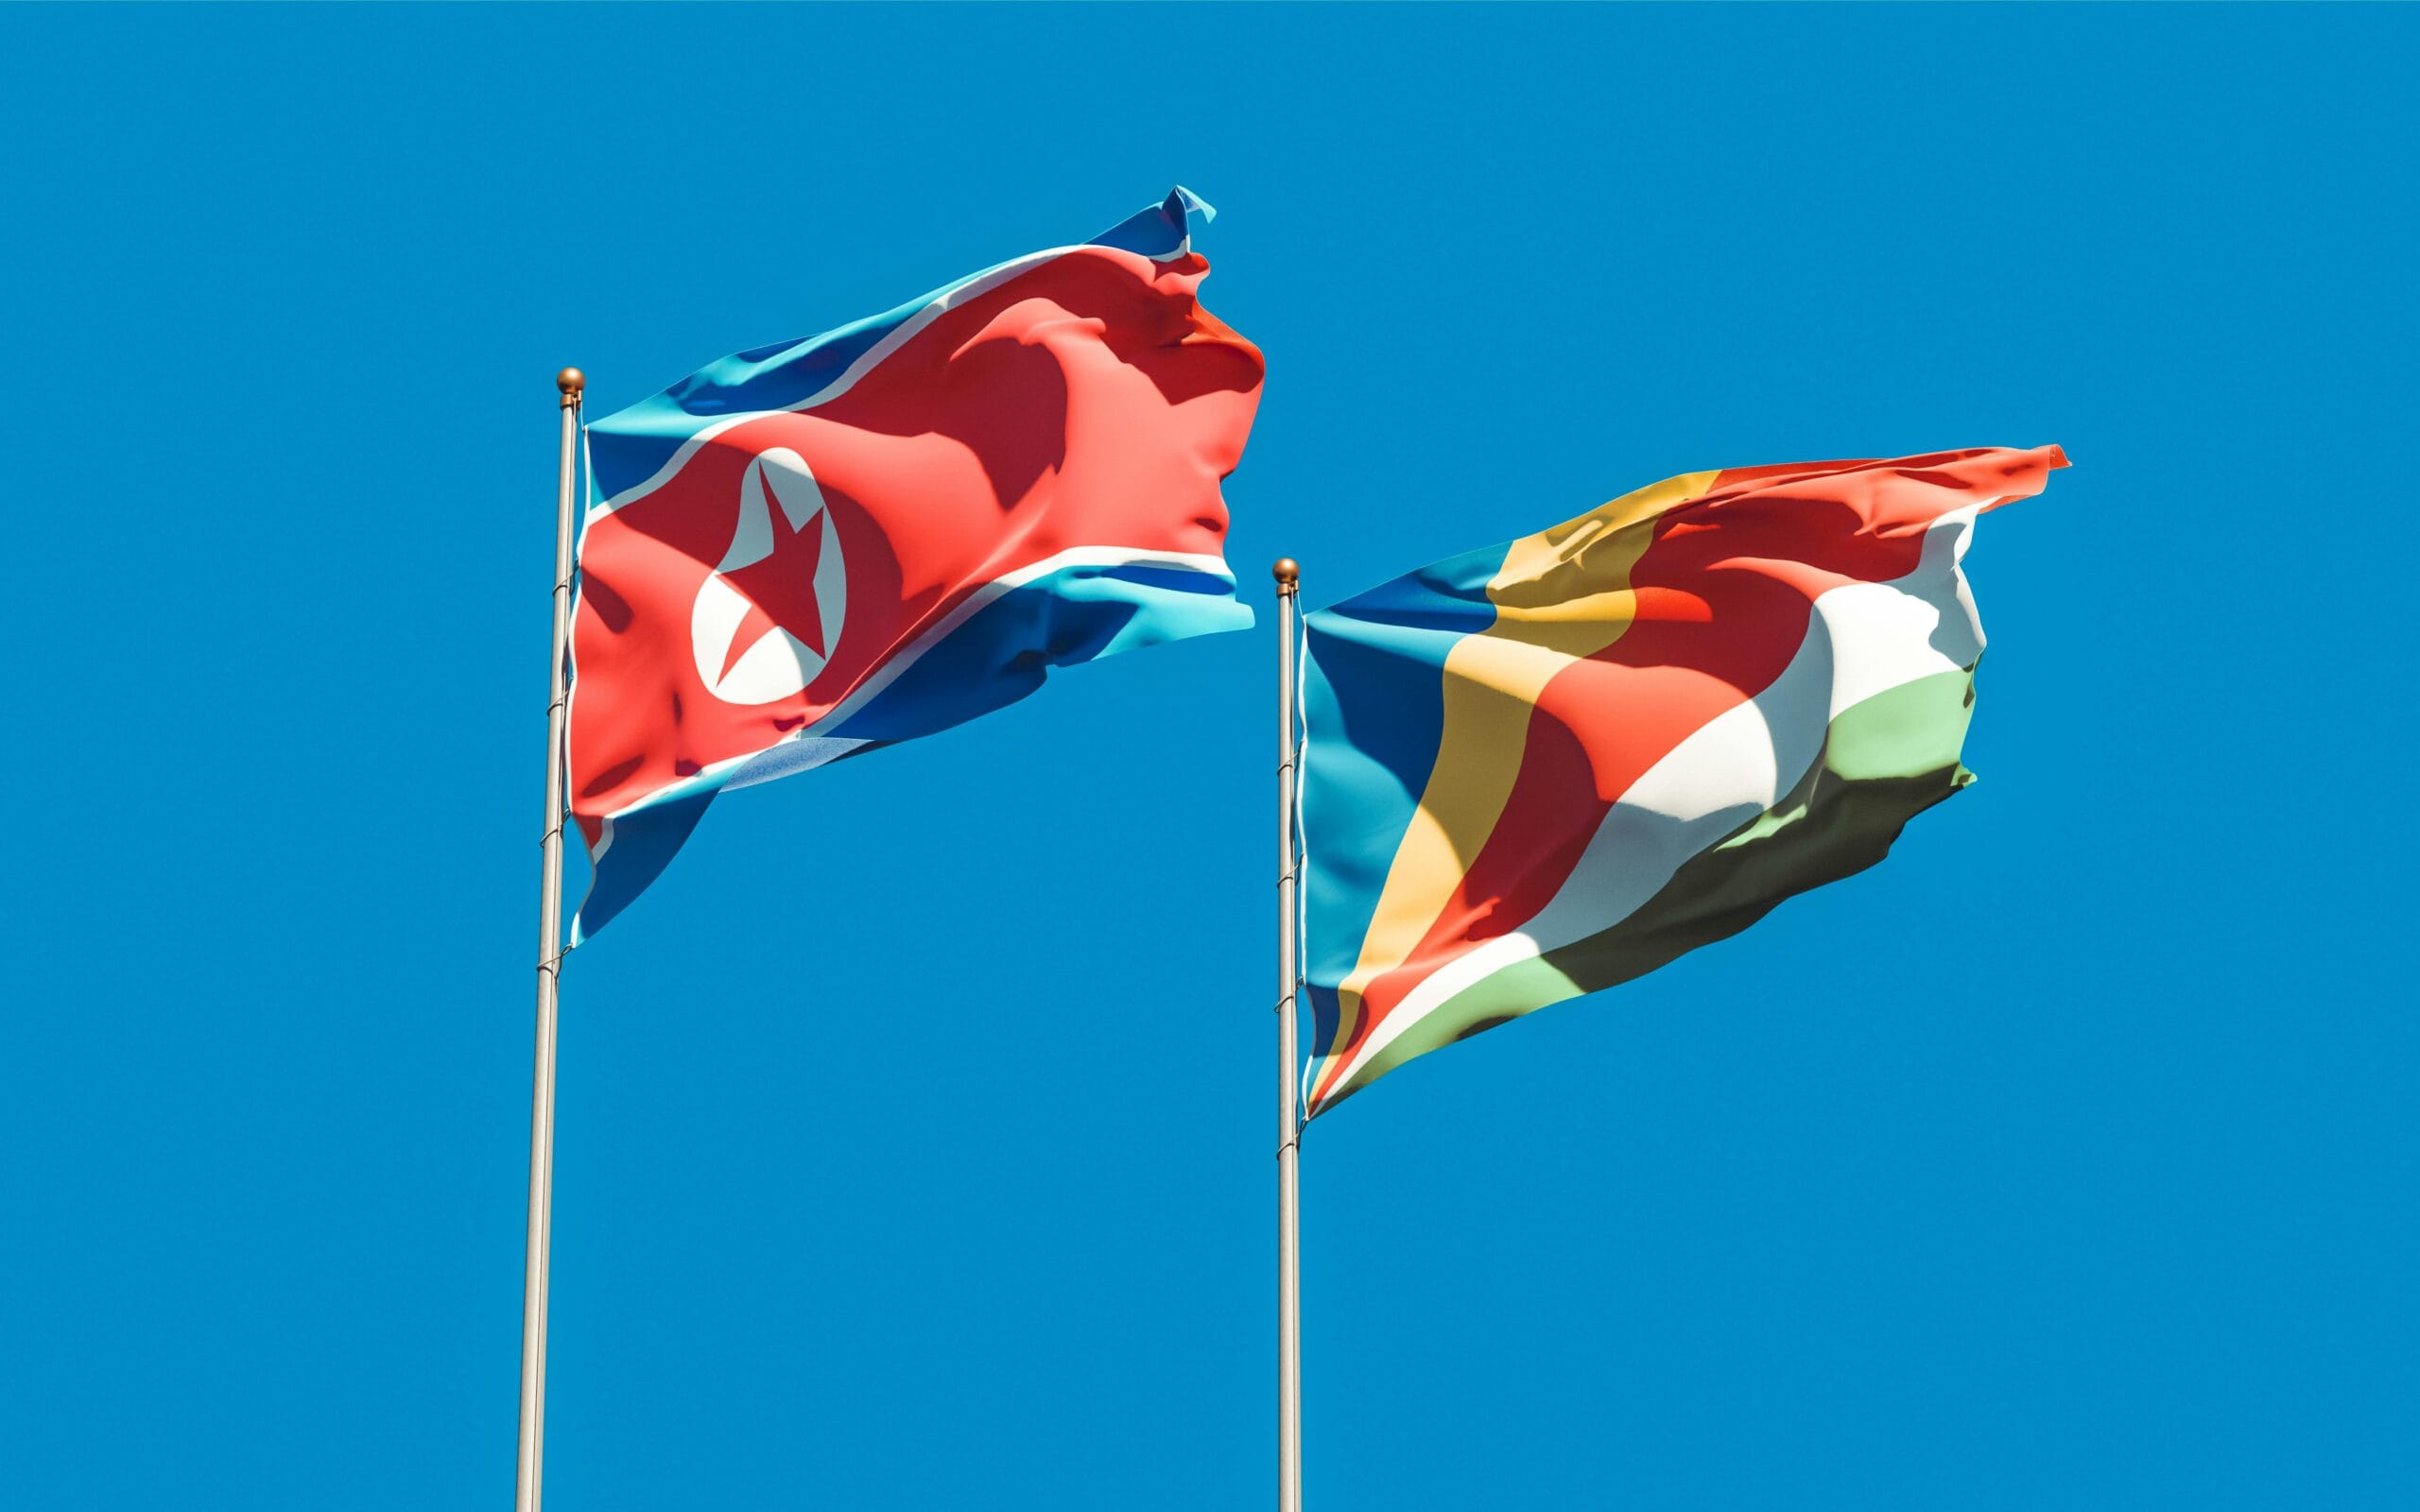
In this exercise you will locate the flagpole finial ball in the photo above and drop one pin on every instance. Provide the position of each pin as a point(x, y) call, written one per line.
point(1285, 571)
point(571, 381)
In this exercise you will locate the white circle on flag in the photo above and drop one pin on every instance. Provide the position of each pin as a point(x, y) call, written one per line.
point(777, 493)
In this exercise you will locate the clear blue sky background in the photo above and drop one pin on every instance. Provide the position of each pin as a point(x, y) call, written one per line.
point(915, 1132)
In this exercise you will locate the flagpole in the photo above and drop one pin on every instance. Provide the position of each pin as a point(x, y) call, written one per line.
point(1290, 1129)
point(550, 949)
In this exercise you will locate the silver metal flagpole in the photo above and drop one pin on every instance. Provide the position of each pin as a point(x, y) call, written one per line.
point(550, 952)
point(1290, 1128)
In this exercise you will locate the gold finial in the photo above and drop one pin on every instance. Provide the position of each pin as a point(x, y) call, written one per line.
point(571, 381)
point(1286, 572)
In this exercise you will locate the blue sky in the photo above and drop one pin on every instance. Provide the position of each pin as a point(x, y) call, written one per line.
point(915, 1137)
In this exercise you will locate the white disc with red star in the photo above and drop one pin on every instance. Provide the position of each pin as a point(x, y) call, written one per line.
point(764, 623)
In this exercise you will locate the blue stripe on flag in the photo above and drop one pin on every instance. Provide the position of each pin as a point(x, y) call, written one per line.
point(1003, 652)
point(643, 845)
point(1362, 782)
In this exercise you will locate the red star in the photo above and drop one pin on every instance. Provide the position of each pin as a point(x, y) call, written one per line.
point(780, 587)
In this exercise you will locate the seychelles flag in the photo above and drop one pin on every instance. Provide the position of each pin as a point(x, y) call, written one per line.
point(811, 550)
point(1549, 766)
